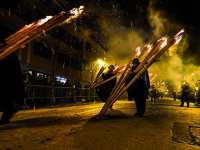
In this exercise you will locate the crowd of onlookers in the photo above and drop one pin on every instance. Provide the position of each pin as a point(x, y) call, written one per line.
point(75, 91)
point(40, 80)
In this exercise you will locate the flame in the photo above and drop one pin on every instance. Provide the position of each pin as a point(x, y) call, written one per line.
point(178, 36)
point(164, 42)
point(28, 26)
point(123, 67)
point(149, 47)
point(138, 51)
point(75, 12)
point(42, 21)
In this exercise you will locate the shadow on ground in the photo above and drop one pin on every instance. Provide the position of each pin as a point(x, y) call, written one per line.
point(42, 122)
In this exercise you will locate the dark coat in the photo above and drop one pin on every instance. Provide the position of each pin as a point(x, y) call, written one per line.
point(103, 91)
point(140, 86)
point(11, 80)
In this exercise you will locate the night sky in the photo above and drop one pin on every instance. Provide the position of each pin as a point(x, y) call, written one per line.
point(137, 16)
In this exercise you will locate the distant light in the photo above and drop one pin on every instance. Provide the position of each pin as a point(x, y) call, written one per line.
point(100, 62)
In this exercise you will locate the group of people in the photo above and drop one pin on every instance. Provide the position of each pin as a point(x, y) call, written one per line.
point(137, 91)
point(40, 80)
point(13, 92)
point(13, 98)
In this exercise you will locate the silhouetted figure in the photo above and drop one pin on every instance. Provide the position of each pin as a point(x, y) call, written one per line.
point(68, 83)
point(153, 93)
point(103, 91)
point(139, 89)
point(174, 94)
point(48, 81)
point(12, 91)
point(69, 90)
point(185, 94)
point(33, 79)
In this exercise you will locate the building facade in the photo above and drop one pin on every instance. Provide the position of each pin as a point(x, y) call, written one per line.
point(61, 52)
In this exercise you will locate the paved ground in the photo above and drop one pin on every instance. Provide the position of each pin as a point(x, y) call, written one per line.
point(165, 126)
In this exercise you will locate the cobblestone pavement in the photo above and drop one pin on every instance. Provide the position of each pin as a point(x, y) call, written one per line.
point(165, 126)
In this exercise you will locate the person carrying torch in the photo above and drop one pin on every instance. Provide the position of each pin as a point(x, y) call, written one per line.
point(139, 89)
point(103, 91)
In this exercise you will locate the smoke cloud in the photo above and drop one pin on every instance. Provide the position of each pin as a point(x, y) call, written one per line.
point(172, 68)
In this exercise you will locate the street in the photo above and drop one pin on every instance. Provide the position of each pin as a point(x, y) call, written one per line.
point(165, 126)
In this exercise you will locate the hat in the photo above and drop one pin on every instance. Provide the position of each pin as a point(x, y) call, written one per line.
point(111, 66)
point(135, 61)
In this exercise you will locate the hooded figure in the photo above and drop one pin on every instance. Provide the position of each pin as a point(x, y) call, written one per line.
point(139, 90)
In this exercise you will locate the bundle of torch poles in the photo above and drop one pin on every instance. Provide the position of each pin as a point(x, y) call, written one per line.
point(33, 30)
point(147, 57)
point(99, 79)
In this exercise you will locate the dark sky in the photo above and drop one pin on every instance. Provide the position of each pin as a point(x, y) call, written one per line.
point(179, 13)
point(135, 14)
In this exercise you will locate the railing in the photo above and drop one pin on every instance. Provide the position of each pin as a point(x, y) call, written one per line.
point(38, 94)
